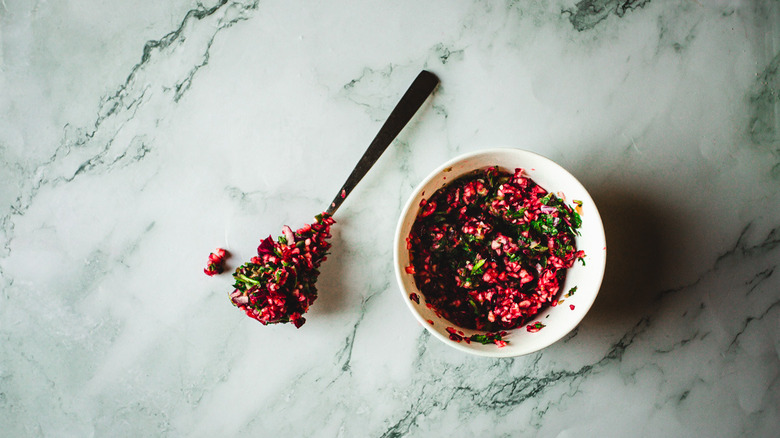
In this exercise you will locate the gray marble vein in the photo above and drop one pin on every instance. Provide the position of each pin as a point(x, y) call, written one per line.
point(764, 101)
point(588, 13)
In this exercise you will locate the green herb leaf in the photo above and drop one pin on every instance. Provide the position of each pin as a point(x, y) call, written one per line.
point(485, 339)
point(474, 306)
point(477, 266)
point(576, 220)
point(245, 279)
point(516, 214)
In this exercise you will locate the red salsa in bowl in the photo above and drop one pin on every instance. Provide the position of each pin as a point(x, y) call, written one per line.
point(490, 250)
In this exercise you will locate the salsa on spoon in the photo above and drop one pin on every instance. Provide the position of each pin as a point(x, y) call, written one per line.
point(279, 284)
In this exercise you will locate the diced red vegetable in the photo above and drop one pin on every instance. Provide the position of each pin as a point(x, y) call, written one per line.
point(216, 262)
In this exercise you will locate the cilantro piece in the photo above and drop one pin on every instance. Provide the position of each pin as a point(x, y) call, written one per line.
point(474, 306)
point(576, 220)
point(482, 339)
point(487, 338)
point(516, 214)
point(244, 279)
point(477, 266)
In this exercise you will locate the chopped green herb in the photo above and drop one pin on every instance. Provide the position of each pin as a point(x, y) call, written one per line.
point(477, 266)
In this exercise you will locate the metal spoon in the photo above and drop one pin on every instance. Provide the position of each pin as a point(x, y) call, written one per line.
point(411, 101)
point(278, 285)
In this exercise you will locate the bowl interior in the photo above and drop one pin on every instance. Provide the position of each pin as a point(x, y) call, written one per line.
point(558, 320)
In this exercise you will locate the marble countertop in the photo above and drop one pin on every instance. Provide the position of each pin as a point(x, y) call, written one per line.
point(136, 137)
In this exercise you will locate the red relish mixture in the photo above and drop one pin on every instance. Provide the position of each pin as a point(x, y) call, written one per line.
point(216, 262)
point(278, 285)
point(490, 250)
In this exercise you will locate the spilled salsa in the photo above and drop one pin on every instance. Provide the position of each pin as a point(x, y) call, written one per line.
point(490, 250)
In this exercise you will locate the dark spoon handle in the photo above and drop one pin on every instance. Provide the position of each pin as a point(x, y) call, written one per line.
point(411, 101)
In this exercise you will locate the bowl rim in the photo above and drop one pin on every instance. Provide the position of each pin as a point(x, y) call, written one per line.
point(594, 216)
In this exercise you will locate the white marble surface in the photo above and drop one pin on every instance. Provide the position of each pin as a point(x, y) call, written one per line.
point(135, 137)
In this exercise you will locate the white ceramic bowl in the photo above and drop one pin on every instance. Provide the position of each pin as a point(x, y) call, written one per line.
point(558, 320)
